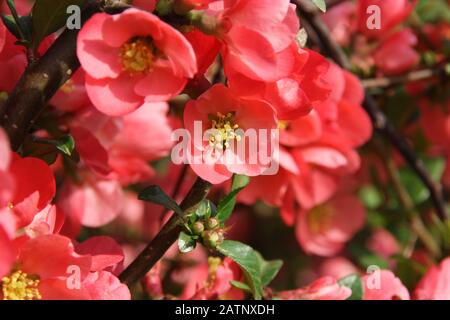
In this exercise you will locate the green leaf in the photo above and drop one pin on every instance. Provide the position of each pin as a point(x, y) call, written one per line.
point(321, 5)
point(248, 260)
point(156, 195)
point(415, 187)
point(11, 25)
point(186, 243)
point(204, 209)
point(353, 282)
point(371, 196)
point(269, 270)
point(49, 16)
point(66, 145)
point(240, 285)
point(226, 205)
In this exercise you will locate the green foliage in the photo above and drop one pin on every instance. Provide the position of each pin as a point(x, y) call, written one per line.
point(353, 282)
point(227, 204)
point(49, 16)
point(156, 195)
point(258, 271)
point(415, 187)
point(186, 243)
point(321, 4)
point(433, 10)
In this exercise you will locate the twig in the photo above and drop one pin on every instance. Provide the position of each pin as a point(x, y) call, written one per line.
point(384, 82)
point(308, 11)
point(166, 236)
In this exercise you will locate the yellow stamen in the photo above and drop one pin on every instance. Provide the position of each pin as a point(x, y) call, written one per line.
point(10, 205)
point(138, 55)
point(223, 127)
point(320, 218)
point(68, 87)
point(283, 125)
point(20, 286)
point(3, 96)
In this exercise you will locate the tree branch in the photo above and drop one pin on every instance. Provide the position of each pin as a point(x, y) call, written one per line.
point(310, 13)
point(166, 236)
point(384, 82)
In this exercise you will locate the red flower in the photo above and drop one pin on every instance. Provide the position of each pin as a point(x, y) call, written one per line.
point(435, 285)
point(223, 119)
point(132, 58)
point(325, 288)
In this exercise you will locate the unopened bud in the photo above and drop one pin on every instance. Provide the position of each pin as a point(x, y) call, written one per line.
point(212, 238)
point(212, 223)
point(198, 227)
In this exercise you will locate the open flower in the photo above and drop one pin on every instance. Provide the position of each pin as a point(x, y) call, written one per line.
point(220, 126)
point(325, 229)
point(256, 36)
point(435, 285)
point(132, 58)
point(392, 12)
point(384, 285)
point(66, 275)
point(292, 96)
point(325, 288)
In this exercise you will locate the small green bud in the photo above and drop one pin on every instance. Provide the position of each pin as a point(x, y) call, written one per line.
point(198, 227)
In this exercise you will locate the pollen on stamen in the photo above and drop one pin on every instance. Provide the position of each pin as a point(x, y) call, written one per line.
point(20, 286)
point(224, 130)
point(138, 55)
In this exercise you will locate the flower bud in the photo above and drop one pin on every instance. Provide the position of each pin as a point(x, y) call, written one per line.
point(212, 223)
point(198, 227)
point(212, 238)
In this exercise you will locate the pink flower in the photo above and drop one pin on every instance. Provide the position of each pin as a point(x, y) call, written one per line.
point(325, 229)
point(383, 243)
point(317, 150)
point(13, 61)
point(132, 58)
point(392, 12)
point(93, 203)
point(384, 285)
point(325, 288)
point(435, 284)
point(213, 280)
point(396, 55)
point(292, 96)
point(66, 275)
point(257, 35)
point(48, 221)
point(121, 148)
point(222, 120)
point(7, 233)
point(337, 267)
point(72, 95)
point(340, 21)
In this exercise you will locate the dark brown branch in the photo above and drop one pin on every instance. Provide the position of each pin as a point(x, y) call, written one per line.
point(166, 236)
point(308, 12)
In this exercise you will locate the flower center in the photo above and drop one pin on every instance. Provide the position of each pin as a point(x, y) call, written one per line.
point(3, 95)
point(68, 87)
point(320, 218)
point(20, 286)
point(138, 55)
point(223, 129)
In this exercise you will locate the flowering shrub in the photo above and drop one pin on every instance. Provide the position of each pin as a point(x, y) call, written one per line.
point(323, 141)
